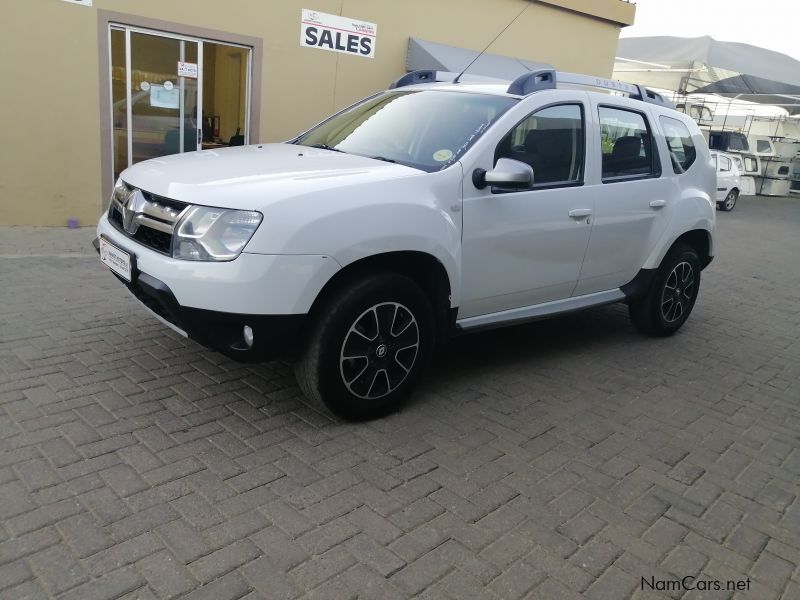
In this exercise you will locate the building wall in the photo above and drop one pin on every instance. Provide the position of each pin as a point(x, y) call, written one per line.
point(51, 155)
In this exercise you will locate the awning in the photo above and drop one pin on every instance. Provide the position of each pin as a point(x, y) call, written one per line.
point(704, 65)
point(756, 89)
point(423, 54)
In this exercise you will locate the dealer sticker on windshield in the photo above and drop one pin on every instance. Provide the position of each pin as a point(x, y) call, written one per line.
point(115, 259)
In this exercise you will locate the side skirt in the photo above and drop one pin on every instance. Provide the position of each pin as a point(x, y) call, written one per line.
point(538, 311)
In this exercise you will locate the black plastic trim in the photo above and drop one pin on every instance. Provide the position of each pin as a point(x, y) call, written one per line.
point(622, 178)
point(275, 336)
point(639, 285)
point(651, 97)
point(413, 78)
point(527, 83)
point(542, 186)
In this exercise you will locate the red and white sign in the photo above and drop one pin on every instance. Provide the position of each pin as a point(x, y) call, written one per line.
point(337, 34)
point(187, 69)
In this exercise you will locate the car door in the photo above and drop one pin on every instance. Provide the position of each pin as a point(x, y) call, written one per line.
point(630, 213)
point(725, 176)
point(525, 247)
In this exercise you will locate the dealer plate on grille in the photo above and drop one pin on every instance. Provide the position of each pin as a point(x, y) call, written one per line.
point(116, 259)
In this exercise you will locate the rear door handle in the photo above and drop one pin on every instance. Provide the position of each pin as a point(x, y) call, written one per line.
point(657, 203)
point(579, 213)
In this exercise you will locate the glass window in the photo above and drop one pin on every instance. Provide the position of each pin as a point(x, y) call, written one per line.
point(737, 141)
point(751, 164)
point(724, 163)
point(551, 141)
point(762, 146)
point(738, 162)
point(427, 130)
point(680, 144)
point(626, 144)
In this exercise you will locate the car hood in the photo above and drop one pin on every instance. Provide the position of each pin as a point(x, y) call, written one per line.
point(247, 177)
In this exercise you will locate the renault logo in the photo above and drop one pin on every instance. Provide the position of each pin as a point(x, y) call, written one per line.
point(131, 210)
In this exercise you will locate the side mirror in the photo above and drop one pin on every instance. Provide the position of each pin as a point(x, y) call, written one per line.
point(508, 174)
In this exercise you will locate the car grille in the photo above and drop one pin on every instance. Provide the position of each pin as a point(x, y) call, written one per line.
point(151, 219)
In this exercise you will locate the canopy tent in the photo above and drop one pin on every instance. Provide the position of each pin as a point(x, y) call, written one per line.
point(423, 54)
point(756, 89)
point(704, 65)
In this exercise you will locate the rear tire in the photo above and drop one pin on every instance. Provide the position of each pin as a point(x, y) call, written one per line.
point(730, 201)
point(672, 294)
point(367, 347)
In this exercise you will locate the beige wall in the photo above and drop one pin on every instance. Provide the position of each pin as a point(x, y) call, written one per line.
point(49, 51)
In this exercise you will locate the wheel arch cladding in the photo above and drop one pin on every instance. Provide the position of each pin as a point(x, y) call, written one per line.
point(422, 268)
point(699, 240)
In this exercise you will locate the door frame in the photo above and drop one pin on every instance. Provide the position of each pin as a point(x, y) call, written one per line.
point(107, 19)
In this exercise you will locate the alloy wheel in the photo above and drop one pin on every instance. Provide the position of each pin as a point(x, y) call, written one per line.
point(730, 200)
point(677, 294)
point(379, 350)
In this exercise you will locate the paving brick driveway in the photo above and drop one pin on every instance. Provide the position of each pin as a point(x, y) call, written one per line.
point(564, 459)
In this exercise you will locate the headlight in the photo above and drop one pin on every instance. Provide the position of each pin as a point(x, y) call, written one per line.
point(121, 192)
point(214, 233)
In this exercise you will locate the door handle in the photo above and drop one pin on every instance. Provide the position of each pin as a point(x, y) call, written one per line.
point(657, 203)
point(579, 213)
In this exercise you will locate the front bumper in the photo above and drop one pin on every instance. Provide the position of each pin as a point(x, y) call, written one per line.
point(274, 336)
point(251, 284)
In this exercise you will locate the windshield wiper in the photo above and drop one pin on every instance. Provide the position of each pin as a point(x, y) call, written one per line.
point(325, 147)
point(384, 159)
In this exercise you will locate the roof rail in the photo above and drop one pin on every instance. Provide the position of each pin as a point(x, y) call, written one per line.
point(543, 79)
point(548, 79)
point(534, 81)
point(413, 78)
point(652, 97)
point(429, 76)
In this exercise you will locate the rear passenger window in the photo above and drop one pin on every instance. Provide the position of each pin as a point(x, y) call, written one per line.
point(626, 144)
point(724, 163)
point(680, 144)
point(551, 142)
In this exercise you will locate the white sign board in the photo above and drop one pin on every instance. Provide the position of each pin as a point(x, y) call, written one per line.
point(187, 69)
point(162, 96)
point(337, 34)
point(84, 2)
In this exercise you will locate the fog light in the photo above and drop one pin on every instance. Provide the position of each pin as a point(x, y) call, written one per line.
point(248, 335)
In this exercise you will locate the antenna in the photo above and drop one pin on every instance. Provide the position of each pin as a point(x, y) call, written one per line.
point(527, 4)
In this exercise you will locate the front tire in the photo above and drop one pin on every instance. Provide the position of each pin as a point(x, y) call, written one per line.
point(672, 294)
point(367, 347)
point(730, 201)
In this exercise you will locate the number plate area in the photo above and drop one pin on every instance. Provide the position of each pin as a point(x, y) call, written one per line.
point(116, 259)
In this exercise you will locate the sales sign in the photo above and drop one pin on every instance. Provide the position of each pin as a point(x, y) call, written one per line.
point(337, 34)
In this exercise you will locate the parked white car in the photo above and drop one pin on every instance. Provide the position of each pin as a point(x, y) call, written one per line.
point(422, 211)
point(728, 180)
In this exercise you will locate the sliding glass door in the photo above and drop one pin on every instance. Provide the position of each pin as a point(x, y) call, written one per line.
point(173, 94)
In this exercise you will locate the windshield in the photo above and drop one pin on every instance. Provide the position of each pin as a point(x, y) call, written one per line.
point(427, 129)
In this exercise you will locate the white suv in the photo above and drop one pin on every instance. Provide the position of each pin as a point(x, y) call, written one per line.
point(422, 211)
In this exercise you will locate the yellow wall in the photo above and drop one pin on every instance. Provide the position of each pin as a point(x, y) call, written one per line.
point(50, 117)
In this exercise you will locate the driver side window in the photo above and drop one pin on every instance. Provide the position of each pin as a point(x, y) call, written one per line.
point(551, 141)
